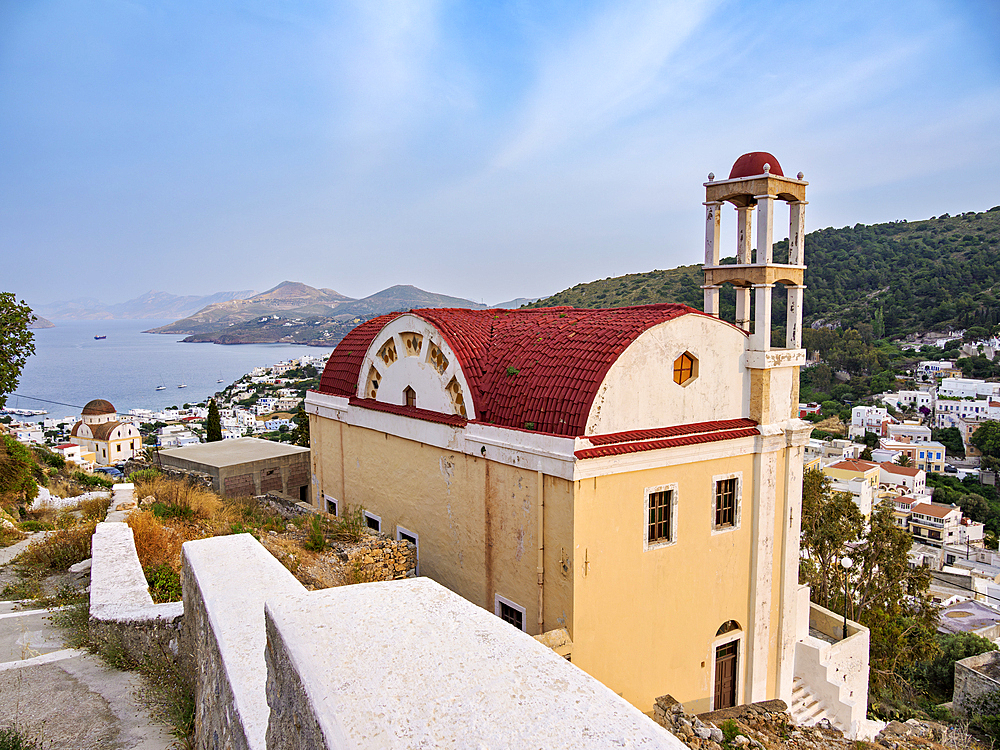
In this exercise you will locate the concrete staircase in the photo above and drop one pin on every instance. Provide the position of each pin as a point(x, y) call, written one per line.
point(807, 709)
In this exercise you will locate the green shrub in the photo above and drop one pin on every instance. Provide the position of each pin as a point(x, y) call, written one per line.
point(164, 583)
point(14, 737)
point(316, 539)
point(730, 730)
point(94, 481)
point(49, 458)
point(167, 510)
point(143, 475)
point(351, 526)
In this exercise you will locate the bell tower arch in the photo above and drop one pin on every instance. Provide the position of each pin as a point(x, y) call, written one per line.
point(754, 187)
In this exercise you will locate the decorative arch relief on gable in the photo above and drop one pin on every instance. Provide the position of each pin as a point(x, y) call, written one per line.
point(409, 362)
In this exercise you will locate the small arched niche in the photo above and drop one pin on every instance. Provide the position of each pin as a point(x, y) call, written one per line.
point(728, 626)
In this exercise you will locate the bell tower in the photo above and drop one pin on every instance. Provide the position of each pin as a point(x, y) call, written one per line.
point(755, 184)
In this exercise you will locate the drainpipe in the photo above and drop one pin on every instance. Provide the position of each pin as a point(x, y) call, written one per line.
point(541, 553)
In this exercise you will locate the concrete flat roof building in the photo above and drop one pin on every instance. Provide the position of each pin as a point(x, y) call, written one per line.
point(247, 466)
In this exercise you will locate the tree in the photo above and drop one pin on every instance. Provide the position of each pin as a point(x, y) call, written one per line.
point(987, 438)
point(830, 522)
point(871, 439)
point(903, 459)
point(866, 454)
point(213, 424)
point(17, 467)
point(16, 342)
point(878, 324)
point(951, 438)
point(302, 427)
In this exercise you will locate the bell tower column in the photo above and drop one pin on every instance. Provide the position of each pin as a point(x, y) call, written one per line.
point(712, 229)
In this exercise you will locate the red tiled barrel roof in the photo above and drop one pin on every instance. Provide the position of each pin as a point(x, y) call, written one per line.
point(539, 368)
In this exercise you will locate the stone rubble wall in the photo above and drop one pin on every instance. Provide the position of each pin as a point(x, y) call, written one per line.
point(970, 680)
point(382, 559)
point(767, 726)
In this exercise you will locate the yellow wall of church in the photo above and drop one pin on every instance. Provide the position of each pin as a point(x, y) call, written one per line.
point(646, 620)
point(476, 519)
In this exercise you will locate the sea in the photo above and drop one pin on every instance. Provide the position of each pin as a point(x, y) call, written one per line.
point(71, 367)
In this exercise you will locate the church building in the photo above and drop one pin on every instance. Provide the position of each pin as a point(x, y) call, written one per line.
point(624, 482)
point(100, 432)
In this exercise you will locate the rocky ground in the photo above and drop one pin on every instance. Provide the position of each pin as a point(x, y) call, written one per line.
point(768, 726)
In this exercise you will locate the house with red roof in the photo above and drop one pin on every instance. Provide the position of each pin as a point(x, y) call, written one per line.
point(623, 482)
point(100, 432)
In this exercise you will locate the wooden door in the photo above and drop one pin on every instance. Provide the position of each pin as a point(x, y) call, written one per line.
point(725, 675)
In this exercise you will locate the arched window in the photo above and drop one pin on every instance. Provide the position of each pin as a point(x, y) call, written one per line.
point(410, 396)
point(728, 627)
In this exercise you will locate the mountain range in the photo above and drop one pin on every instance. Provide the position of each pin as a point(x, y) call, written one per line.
point(151, 305)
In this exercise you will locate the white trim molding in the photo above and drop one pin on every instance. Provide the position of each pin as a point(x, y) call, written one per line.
point(498, 600)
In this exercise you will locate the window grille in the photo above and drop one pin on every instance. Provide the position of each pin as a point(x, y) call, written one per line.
point(658, 529)
point(725, 502)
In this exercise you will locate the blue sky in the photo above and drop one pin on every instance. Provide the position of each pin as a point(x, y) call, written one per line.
point(487, 150)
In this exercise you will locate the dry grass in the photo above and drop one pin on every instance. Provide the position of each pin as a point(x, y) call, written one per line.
point(182, 499)
point(95, 508)
point(155, 543)
point(831, 424)
point(59, 550)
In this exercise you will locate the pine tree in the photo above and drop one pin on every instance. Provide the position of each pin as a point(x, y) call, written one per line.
point(302, 427)
point(213, 425)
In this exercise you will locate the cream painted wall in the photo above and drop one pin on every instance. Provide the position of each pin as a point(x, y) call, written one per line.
point(646, 621)
point(639, 391)
point(476, 519)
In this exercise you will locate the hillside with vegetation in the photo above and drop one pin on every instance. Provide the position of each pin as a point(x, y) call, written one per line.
point(938, 274)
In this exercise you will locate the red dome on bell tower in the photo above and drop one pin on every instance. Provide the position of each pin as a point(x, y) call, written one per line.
point(752, 164)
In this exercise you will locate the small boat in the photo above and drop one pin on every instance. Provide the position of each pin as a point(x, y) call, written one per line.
point(98, 338)
point(161, 387)
point(182, 385)
point(220, 380)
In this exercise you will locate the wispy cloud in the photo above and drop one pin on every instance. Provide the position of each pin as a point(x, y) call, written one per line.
point(607, 71)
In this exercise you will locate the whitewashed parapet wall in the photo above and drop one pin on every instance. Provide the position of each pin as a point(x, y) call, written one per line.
point(387, 665)
point(121, 609)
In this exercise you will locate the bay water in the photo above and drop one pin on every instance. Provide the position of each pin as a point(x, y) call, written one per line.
point(72, 367)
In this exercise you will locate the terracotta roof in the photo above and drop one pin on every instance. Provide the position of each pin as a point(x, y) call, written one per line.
point(936, 510)
point(618, 449)
point(75, 430)
point(98, 406)
point(675, 431)
point(103, 431)
point(752, 164)
point(854, 465)
point(409, 411)
point(63, 446)
point(539, 367)
point(897, 469)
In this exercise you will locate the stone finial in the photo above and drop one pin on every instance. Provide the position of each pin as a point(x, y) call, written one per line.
point(711, 176)
point(799, 176)
point(767, 168)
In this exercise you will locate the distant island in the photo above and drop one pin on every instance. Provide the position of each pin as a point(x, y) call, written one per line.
point(37, 321)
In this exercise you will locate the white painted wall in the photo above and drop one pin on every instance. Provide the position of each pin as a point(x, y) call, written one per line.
point(414, 371)
point(639, 391)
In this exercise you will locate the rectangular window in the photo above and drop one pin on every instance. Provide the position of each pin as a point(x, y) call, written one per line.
point(373, 522)
point(725, 502)
point(405, 535)
point(507, 611)
point(331, 505)
point(659, 516)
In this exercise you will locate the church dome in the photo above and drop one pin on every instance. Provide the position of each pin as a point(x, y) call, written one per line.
point(752, 164)
point(98, 407)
